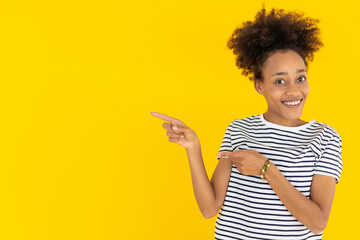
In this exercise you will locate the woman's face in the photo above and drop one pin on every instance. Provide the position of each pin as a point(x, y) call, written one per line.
point(285, 83)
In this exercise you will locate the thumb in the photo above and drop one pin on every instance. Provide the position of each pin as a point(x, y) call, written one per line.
point(178, 128)
point(223, 154)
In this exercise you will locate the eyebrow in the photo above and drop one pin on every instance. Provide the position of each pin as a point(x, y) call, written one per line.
point(285, 73)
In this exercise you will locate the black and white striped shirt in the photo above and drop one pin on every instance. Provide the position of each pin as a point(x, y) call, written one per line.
point(251, 209)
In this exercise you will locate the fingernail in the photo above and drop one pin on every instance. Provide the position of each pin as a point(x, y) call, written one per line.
point(175, 128)
point(219, 154)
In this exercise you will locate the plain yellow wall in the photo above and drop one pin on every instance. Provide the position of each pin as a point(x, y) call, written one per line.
point(81, 155)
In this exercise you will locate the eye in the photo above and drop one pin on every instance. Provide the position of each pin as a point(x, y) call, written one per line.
point(304, 79)
point(279, 81)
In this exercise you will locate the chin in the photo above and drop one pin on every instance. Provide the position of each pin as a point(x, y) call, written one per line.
point(293, 115)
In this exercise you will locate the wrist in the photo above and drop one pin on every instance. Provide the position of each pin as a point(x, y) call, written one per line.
point(194, 153)
point(270, 172)
point(193, 148)
point(265, 169)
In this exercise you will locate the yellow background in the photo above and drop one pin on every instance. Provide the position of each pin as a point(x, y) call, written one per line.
point(81, 156)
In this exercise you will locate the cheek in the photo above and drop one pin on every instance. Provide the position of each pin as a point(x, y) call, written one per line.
point(275, 95)
point(306, 89)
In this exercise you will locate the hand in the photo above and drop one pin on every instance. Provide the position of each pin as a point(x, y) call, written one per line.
point(247, 161)
point(183, 135)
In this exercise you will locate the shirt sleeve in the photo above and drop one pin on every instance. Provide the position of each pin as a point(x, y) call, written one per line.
point(226, 145)
point(330, 162)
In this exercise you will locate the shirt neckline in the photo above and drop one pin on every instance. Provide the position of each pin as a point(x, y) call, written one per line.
point(274, 125)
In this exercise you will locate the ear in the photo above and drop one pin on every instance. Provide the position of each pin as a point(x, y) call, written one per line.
point(258, 86)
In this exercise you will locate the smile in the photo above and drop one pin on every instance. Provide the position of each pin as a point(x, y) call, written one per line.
point(293, 103)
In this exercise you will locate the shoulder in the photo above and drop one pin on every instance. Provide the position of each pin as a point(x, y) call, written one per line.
point(327, 131)
point(326, 139)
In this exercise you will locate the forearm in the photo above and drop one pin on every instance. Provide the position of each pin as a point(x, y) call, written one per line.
point(302, 208)
point(203, 189)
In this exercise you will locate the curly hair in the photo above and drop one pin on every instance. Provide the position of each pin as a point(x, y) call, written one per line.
point(253, 42)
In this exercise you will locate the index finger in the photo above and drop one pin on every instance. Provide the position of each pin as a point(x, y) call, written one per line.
point(165, 117)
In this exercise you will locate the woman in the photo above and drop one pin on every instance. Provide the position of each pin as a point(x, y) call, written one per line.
point(276, 174)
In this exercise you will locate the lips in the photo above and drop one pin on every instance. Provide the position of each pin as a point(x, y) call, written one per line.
point(292, 101)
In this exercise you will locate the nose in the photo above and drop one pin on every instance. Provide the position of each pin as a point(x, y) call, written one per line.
point(293, 90)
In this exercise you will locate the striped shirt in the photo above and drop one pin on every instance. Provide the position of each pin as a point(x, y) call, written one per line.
point(251, 209)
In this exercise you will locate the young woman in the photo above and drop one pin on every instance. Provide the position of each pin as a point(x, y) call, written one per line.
point(276, 174)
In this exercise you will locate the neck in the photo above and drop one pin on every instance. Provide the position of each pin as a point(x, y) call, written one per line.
point(283, 121)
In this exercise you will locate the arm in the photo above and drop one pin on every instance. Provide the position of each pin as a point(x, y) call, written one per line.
point(209, 195)
point(313, 212)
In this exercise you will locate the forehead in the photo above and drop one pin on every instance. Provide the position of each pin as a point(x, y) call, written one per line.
point(283, 61)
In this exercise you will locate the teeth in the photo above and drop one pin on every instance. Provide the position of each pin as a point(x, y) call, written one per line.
point(293, 103)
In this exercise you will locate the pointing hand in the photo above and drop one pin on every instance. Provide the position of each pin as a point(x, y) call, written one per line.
point(178, 132)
